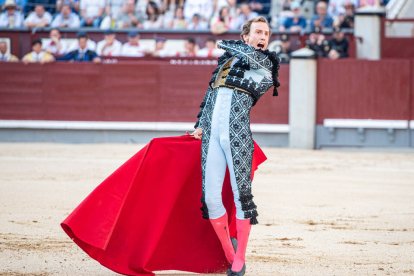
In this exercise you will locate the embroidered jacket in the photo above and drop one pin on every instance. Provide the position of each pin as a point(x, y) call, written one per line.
point(255, 70)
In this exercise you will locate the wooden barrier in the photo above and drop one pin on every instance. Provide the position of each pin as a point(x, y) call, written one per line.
point(153, 90)
point(361, 89)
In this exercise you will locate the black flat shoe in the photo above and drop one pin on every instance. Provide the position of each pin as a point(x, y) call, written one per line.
point(240, 273)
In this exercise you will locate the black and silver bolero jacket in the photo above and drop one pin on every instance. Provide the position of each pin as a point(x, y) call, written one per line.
point(255, 70)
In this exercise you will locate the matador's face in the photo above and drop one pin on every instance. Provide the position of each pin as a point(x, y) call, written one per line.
point(259, 35)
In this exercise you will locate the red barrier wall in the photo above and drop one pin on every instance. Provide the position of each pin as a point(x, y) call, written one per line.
point(150, 90)
point(361, 89)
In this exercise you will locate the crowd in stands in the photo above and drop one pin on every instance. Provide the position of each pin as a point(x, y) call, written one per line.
point(218, 16)
point(85, 49)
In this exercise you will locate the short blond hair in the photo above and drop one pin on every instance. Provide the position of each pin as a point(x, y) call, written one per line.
point(247, 26)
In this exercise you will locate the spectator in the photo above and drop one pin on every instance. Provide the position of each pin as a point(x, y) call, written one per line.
point(73, 4)
point(321, 18)
point(66, 18)
point(203, 7)
point(82, 54)
point(127, 18)
point(48, 5)
point(55, 46)
point(262, 7)
point(178, 22)
point(211, 50)
point(245, 14)
point(336, 7)
point(133, 48)
point(197, 24)
point(37, 54)
point(318, 43)
point(90, 44)
point(4, 55)
point(154, 17)
point(284, 49)
point(11, 17)
point(113, 8)
point(109, 46)
point(190, 48)
point(39, 18)
point(91, 12)
point(338, 45)
point(296, 23)
point(160, 49)
point(223, 22)
point(346, 20)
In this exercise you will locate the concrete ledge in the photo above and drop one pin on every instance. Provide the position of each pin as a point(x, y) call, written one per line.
point(119, 132)
point(147, 126)
point(356, 123)
point(363, 133)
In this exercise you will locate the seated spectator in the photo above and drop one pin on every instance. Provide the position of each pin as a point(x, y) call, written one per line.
point(66, 18)
point(91, 12)
point(338, 45)
point(39, 18)
point(318, 43)
point(202, 7)
point(133, 48)
point(30, 5)
point(197, 24)
point(284, 49)
point(109, 46)
point(346, 19)
point(55, 46)
point(178, 22)
point(262, 7)
point(223, 22)
point(160, 49)
point(336, 7)
point(128, 17)
point(211, 50)
point(90, 44)
point(296, 23)
point(154, 17)
point(11, 17)
point(321, 19)
point(37, 54)
point(73, 4)
point(190, 48)
point(4, 55)
point(245, 14)
point(114, 7)
point(82, 54)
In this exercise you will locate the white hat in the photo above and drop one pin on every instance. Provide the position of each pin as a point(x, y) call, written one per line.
point(9, 3)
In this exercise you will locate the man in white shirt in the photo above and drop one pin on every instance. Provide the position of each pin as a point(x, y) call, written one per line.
point(160, 49)
point(66, 18)
point(109, 46)
point(38, 18)
point(91, 12)
point(11, 17)
point(197, 23)
point(5, 56)
point(55, 46)
point(210, 51)
point(133, 48)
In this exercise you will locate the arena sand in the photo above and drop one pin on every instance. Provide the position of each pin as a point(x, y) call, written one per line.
point(327, 212)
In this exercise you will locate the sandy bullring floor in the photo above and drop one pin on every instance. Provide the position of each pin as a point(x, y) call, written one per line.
point(325, 212)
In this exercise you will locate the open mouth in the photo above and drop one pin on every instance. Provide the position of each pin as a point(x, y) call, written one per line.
point(260, 45)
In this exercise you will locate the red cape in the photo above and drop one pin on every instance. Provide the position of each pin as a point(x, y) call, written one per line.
point(146, 215)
